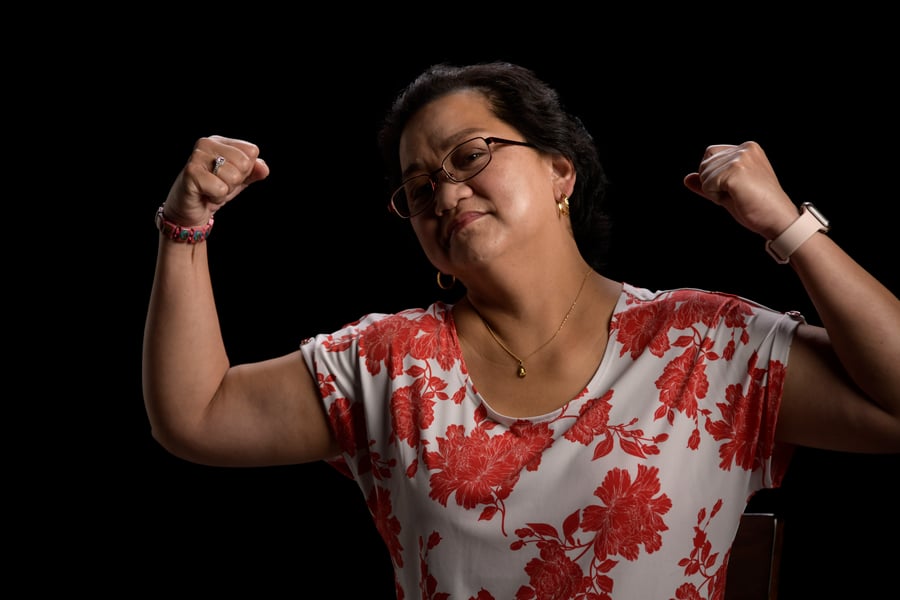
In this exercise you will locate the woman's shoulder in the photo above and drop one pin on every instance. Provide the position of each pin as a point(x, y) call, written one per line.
point(437, 310)
point(685, 294)
point(694, 299)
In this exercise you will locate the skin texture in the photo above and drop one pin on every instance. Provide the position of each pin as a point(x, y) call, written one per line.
point(501, 234)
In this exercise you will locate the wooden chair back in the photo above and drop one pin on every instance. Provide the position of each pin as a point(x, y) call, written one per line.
point(755, 558)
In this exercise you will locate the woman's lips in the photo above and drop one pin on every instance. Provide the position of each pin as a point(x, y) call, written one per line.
point(461, 222)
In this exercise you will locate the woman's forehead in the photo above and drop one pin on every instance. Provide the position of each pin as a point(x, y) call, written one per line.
point(447, 121)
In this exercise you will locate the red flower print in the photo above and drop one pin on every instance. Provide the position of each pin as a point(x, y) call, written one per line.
point(593, 419)
point(437, 343)
point(388, 337)
point(734, 313)
point(531, 441)
point(326, 384)
point(553, 576)
point(644, 327)
point(593, 422)
point(688, 591)
point(775, 385)
point(682, 383)
point(717, 583)
point(692, 307)
point(411, 411)
point(630, 515)
point(349, 425)
point(558, 556)
point(704, 560)
point(739, 413)
point(468, 466)
point(339, 344)
point(428, 584)
point(482, 470)
point(744, 414)
point(379, 503)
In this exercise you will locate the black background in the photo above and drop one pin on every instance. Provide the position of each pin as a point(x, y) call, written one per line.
point(313, 247)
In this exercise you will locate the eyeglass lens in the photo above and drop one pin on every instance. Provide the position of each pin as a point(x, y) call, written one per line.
point(464, 162)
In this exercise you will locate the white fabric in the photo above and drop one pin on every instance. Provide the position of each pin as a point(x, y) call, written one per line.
point(634, 489)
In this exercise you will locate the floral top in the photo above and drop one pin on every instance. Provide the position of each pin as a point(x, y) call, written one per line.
point(632, 489)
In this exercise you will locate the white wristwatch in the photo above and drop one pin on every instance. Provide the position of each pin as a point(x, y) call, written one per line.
point(809, 222)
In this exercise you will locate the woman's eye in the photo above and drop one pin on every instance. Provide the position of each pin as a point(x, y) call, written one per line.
point(421, 192)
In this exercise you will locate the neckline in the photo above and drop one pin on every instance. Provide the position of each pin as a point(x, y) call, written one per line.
point(601, 370)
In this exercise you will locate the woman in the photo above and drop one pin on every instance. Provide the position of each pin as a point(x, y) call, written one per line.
point(554, 433)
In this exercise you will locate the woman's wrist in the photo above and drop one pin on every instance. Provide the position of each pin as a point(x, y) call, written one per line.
point(179, 233)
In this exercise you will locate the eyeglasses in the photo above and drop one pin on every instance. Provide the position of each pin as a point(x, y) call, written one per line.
point(462, 163)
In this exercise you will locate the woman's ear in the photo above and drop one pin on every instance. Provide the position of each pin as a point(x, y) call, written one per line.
point(563, 174)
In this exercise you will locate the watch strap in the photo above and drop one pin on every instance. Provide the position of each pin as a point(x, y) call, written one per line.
point(803, 228)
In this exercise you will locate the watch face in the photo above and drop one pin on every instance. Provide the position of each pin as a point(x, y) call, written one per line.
point(819, 216)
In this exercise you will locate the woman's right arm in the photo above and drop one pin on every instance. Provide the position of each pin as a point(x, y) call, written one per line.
point(200, 407)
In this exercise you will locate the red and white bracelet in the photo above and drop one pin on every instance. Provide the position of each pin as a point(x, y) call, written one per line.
point(174, 231)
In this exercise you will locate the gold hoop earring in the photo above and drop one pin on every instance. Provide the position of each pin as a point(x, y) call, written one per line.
point(441, 283)
point(562, 207)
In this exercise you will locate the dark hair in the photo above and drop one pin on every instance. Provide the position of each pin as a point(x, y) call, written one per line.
point(518, 97)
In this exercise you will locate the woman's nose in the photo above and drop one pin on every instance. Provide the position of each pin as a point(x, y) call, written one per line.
point(448, 193)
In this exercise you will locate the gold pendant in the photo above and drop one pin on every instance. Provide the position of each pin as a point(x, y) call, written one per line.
point(521, 372)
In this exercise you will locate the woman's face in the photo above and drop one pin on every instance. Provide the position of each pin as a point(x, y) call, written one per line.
point(499, 211)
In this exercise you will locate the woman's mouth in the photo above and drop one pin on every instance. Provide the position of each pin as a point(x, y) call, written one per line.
point(461, 222)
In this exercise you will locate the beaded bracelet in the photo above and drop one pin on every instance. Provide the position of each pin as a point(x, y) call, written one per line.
point(174, 231)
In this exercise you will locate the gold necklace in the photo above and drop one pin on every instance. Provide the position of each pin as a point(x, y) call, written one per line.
point(520, 371)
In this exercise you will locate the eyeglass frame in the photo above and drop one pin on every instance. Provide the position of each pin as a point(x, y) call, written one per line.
point(433, 175)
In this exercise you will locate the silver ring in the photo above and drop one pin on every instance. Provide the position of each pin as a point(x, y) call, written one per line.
point(220, 160)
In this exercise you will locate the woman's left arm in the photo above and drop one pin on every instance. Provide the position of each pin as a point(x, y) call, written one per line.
point(842, 386)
